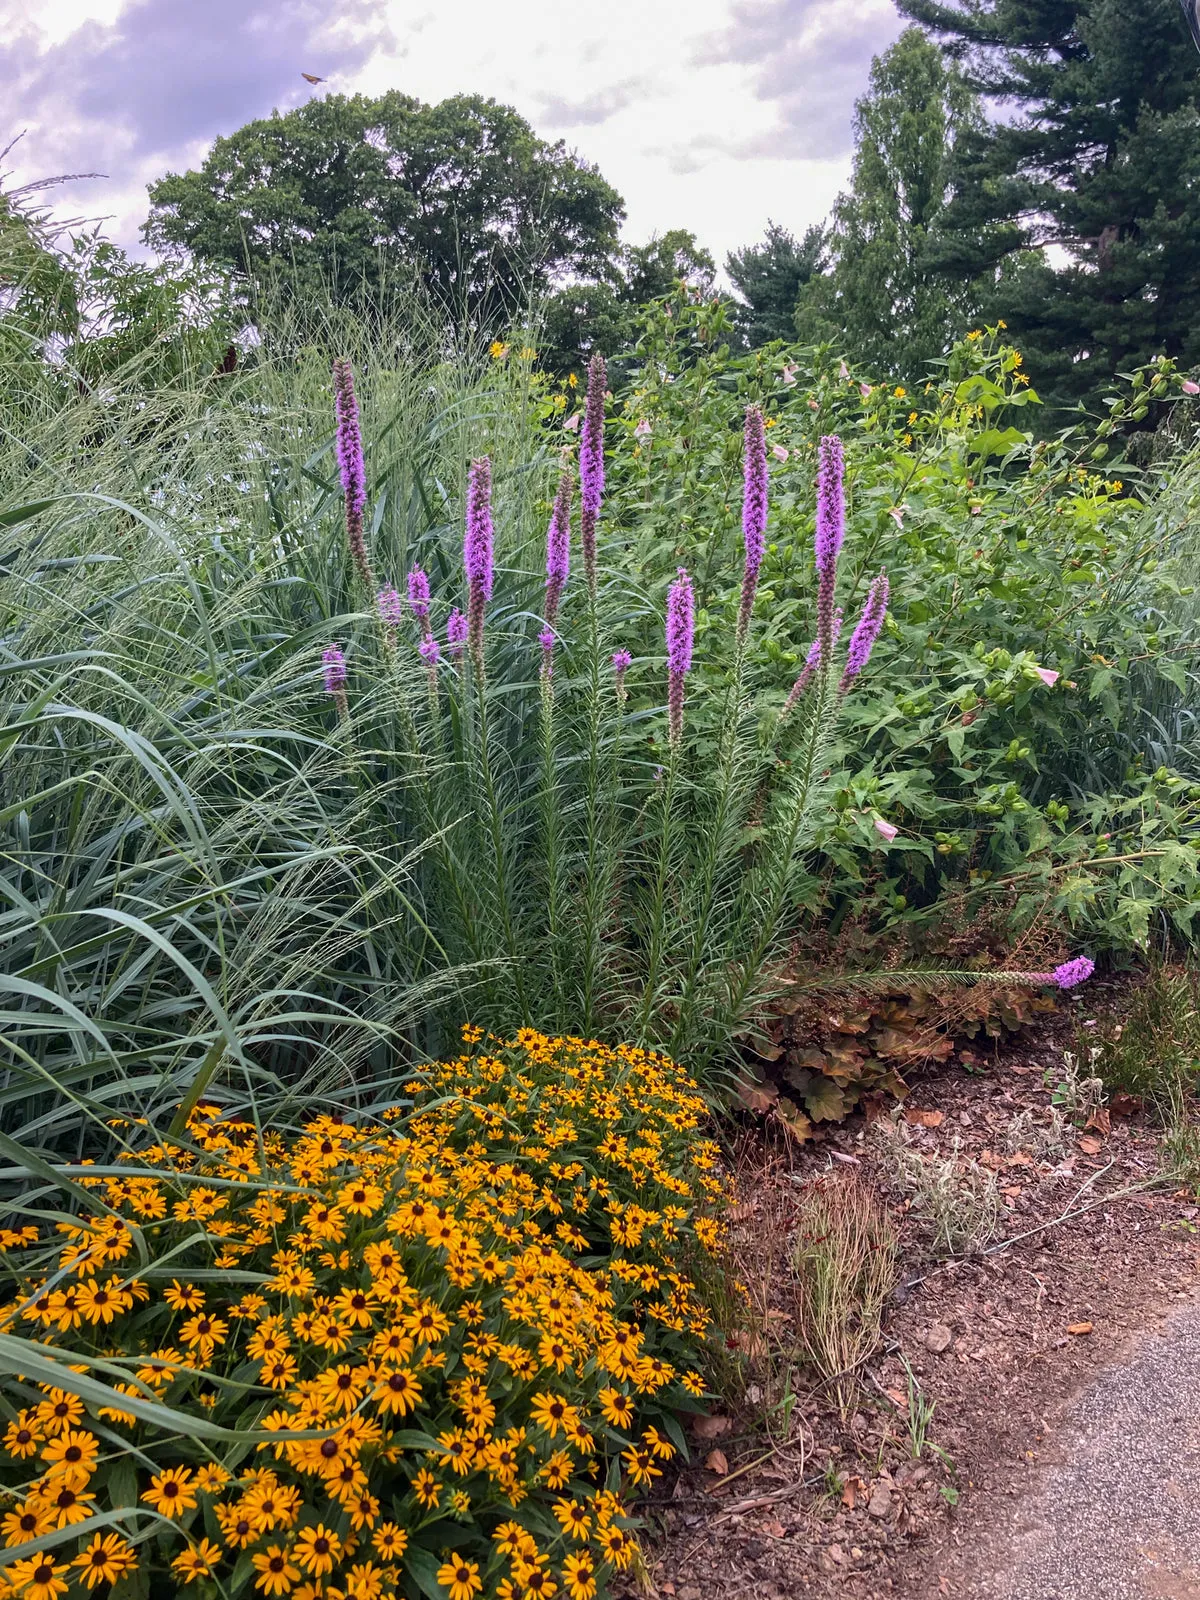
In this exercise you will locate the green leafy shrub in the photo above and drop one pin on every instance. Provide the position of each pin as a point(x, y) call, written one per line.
point(442, 1351)
point(1034, 685)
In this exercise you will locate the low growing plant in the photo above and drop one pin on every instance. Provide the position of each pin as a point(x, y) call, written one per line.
point(956, 1201)
point(439, 1353)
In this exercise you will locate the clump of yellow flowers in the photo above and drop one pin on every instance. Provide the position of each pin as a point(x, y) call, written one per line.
point(435, 1353)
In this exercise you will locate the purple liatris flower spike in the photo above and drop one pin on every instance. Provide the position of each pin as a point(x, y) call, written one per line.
point(350, 465)
point(334, 671)
point(754, 512)
point(1066, 976)
point(870, 625)
point(831, 527)
point(1073, 972)
point(558, 545)
point(546, 640)
point(591, 464)
point(681, 628)
point(810, 666)
point(429, 650)
point(388, 601)
point(418, 598)
point(621, 662)
point(478, 551)
point(456, 632)
point(335, 668)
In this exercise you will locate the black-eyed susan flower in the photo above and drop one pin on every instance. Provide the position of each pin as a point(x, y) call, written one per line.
point(39, 1578)
point(276, 1574)
point(106, 1558)
point(460, 1578)
point(70, 1457)
point(197, 1561)
point(317, 1549)
point(171, 1492)
point(579, 1576)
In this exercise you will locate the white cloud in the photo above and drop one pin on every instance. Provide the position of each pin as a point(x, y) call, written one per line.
point(707, 114)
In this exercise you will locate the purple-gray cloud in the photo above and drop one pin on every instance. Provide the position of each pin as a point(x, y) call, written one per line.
point(169, 73)
point(589, 111)
point(811, 59)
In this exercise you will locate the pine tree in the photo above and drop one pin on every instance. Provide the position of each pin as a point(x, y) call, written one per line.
point(769, 278)
point(1101, 160)
point(881, 298)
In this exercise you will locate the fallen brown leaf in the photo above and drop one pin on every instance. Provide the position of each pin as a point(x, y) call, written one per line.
point(1100, 1120)
point(1079, 1329)
point(711, 1427)
point(851, 1489)
point(1091, 1147)
point(923, 1119)
point(716, 1462)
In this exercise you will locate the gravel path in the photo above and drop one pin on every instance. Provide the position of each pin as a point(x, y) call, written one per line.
point(1119, 1518)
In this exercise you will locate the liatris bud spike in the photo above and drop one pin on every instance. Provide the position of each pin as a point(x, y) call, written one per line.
point(558, 545)
point(478, 552)
point(681, 628)
point(390, 609)
point(591, 465)
point(831, 527)
point(418, 598)
point(754, 512)
point(870, 625)
point(810, 666)
point(456, 633)
point(334, 672)
point(351, 466)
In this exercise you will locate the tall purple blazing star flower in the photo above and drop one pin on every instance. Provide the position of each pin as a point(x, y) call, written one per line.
point(456, 633)
point(418, 598)
point(870, 625)
point(390, 607)
point(831, 527)
point(621, 663)
point(478, 551)
point(754, 512)
point(810, 666)
point(681, 630)
point(591, 465)
point(558, 545)
point(1068, 975)
point(333, 671)
point(351, 466)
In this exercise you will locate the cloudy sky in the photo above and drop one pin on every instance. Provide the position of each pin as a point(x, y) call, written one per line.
point(707, 114)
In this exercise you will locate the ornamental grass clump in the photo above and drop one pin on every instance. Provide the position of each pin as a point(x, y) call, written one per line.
point(439, 1352)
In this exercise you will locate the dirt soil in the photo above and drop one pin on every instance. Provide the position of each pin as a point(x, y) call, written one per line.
point(791, 1494)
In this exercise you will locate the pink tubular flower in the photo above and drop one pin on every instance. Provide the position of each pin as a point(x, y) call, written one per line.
point(1048, 677)
point(591, 464)
point(388, 601)
point(885, 830)
point(830, 531)
point(780, 452)
point(478, 551)
point(456, 633)
point(558, 545)
point(870, 625)
point(754, 511)
point(681, 630)
point(418, 598)
point(351, 466)
point(1190, 386)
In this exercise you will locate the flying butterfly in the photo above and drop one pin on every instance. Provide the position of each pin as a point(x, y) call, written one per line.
point(308, 78)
